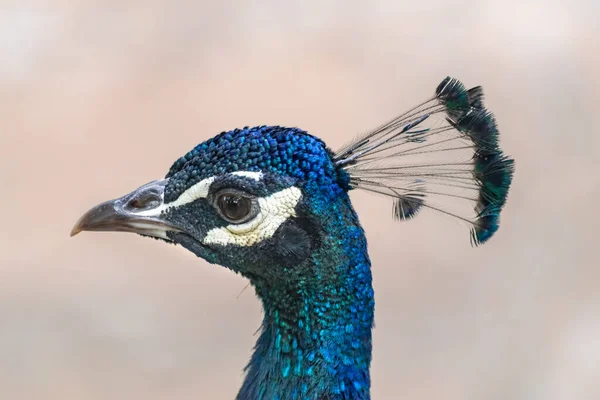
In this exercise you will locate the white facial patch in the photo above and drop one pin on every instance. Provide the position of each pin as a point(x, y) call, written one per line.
point(150, 230)
point(194, 192)
point(274, 211)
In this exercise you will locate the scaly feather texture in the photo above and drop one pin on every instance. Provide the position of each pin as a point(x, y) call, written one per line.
point(313, 278)
point(315, 340)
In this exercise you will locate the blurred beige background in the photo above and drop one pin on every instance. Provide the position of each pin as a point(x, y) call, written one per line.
point(97, 98)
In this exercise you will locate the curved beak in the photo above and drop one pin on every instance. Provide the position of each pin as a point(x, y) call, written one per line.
point(139, 212)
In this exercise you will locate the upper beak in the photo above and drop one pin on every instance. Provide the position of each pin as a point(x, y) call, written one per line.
point(138, 212)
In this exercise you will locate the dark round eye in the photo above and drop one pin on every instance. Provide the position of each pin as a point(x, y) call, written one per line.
point(234, 207)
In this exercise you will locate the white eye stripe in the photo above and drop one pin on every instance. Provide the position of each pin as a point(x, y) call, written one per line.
point(256, 175)
point(197, 191)
point(274, 211)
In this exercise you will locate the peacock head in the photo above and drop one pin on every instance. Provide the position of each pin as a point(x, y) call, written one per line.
point(260, 200)
point(255, 200)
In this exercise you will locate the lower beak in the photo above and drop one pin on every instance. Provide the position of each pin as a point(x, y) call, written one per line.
point(137, 212)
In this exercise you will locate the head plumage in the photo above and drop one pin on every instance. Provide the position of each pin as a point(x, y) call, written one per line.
point(282, 150)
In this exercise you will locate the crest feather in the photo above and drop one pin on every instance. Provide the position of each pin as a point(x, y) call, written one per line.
point(443, 151)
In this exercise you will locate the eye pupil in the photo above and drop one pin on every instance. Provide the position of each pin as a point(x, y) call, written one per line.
point(234, 207)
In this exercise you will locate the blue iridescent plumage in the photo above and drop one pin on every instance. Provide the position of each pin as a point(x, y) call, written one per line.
point(308, 262)
point(287, 151)
point(315, 339)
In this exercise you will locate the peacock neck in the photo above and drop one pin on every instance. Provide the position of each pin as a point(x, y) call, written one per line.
point(315, 342)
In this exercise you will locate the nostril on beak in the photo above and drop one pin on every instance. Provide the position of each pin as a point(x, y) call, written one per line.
point(145, 201)
point(135, 203)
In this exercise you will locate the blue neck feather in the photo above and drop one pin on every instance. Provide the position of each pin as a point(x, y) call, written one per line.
point(316, 334)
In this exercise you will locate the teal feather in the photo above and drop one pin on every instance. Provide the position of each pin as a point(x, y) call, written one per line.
point(375, 162)
point(454, 96)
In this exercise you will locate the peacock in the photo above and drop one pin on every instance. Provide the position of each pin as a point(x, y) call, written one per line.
point(272, 204)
